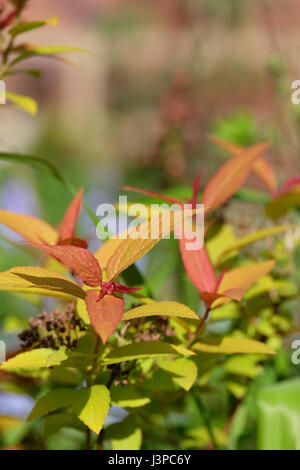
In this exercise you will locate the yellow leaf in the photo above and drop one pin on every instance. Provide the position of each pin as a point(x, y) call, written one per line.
point(168, 309)
point(183, 371)
point(31, 228)
point(219, 238)
point(149, 234)
point(36, 280)
point(34, 359)
point(53, 21)
point(91, 405)
point(106, 251)
point(24, 102)
point(229, 345)
point(82, 311)
point(254, 237)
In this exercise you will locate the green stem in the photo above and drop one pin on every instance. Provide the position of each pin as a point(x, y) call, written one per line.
point(206, 418)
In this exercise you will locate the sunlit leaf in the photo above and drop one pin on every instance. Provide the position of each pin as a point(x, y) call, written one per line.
point(218, 238)
point(128, 397)
point(231, 176)
point(29, 26)
point(105, 314)
point(26, 103)
point(36, 280)
point(182, 371)
point(125, 435)
point(32, 50)
point(149, 233)
point(168, 309)
point(231, 345)
point(106, 251)
point(245, 276)
point(34, 359)
point(31, 228)
point(91, 405)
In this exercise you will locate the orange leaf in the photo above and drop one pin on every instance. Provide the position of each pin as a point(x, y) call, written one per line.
point(198, 267)
point(81, 261)
point(231, 176)
point(31, 228)
point(261, 167)
point(245, 276)
point(70, 219)
point(105, 314)
point(131, 249)
point(74, 241)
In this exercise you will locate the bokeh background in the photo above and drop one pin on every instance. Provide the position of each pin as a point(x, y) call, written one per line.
point(137, 109)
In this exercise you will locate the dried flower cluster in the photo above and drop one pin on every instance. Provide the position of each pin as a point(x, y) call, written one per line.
point(53, 330)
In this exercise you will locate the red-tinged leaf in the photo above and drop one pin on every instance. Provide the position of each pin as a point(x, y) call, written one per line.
point(71, 216)
point(261, 167)
point(171, 200)
point(231, 176)
point(291, 185)
point(198, 267)
point(232, 294)
point(105, 314)
point(81, 261)
point(74, 241)
point(196, 187)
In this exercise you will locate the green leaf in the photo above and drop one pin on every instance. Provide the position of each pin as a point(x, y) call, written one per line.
point(57, 357)
point(55, 422)
point(142, 350)
point(244, 366)
point(35, 359)
point(231, 345)
point(29, 26)
point(279, 416)
point(280, 206)
point(254, 237)
point(128, 397)
point(91, 405)
point(45, 50)
point(125, 435)
point(39, 164)
point(52, 401)
point(219, 238)
point(24, 102)
point(182, 371)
